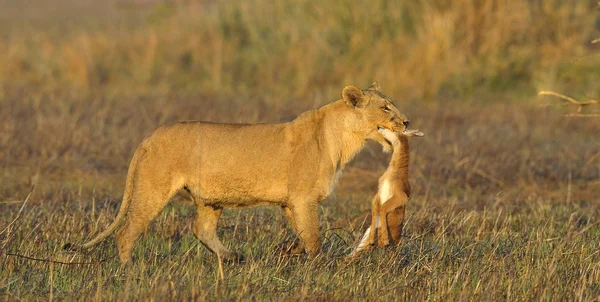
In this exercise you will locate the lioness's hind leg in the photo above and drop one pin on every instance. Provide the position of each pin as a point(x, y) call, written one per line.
point(137, 221)
point(149, 198)
point(205, 229)
point(126, 237)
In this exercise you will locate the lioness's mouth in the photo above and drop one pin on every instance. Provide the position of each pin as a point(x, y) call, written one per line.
point(380, 129)
point(406, 131)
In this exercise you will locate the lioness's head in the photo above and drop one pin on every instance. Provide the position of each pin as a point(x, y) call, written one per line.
point(374, 111)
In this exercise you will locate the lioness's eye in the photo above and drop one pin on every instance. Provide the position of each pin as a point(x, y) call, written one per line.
point(386, 108)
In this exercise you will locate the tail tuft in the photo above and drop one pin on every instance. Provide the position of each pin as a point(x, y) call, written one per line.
point(71, 247)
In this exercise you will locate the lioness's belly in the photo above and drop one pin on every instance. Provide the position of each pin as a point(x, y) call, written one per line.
point(243, 165)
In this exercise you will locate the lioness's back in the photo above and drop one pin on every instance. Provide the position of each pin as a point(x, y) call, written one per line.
point(227, 162)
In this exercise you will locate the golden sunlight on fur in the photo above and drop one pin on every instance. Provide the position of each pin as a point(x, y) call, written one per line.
point(292, 165)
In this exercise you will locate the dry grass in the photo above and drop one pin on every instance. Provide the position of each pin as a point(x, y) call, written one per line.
point(506, 194)
point(505, 207)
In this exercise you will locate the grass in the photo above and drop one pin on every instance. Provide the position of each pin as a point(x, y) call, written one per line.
point(471, 254)
point(505, 193)
point(505, 207)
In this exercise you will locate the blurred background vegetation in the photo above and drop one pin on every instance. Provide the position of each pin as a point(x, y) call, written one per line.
point(418, 50)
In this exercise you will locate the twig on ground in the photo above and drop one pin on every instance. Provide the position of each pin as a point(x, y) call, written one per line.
point(53, 261)
point(572, 101)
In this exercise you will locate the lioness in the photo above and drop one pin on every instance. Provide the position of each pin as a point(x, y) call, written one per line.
point(294, 165)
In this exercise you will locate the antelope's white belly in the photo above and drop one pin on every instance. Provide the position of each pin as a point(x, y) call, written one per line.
point(385, 192)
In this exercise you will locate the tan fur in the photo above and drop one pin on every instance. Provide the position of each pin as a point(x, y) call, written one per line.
point(294, 165)
point(389, 204)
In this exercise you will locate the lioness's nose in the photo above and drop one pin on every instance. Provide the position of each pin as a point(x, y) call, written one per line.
point(406, 123)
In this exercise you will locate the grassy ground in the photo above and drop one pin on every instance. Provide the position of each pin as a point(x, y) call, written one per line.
point(505, 206)
point(506, 193)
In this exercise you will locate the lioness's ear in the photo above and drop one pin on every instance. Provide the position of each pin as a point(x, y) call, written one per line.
point(354, 96)
point(375, 87)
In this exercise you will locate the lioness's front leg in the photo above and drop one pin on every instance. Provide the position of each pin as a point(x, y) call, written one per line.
point(298, 247)
point(305, 217)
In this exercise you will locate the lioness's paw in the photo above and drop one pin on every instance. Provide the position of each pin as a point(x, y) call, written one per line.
point(296, 249)
point(234, 257)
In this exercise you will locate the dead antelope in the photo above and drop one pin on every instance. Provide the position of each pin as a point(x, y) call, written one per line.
point(387, 214)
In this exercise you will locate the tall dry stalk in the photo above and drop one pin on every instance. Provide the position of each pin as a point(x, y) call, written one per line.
point(571, 101)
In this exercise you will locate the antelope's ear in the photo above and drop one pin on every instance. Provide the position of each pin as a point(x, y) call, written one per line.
point(415, 132)
point(375, 87)
point(354, 97)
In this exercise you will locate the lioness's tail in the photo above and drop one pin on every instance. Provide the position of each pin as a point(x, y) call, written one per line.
point(127, 195)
